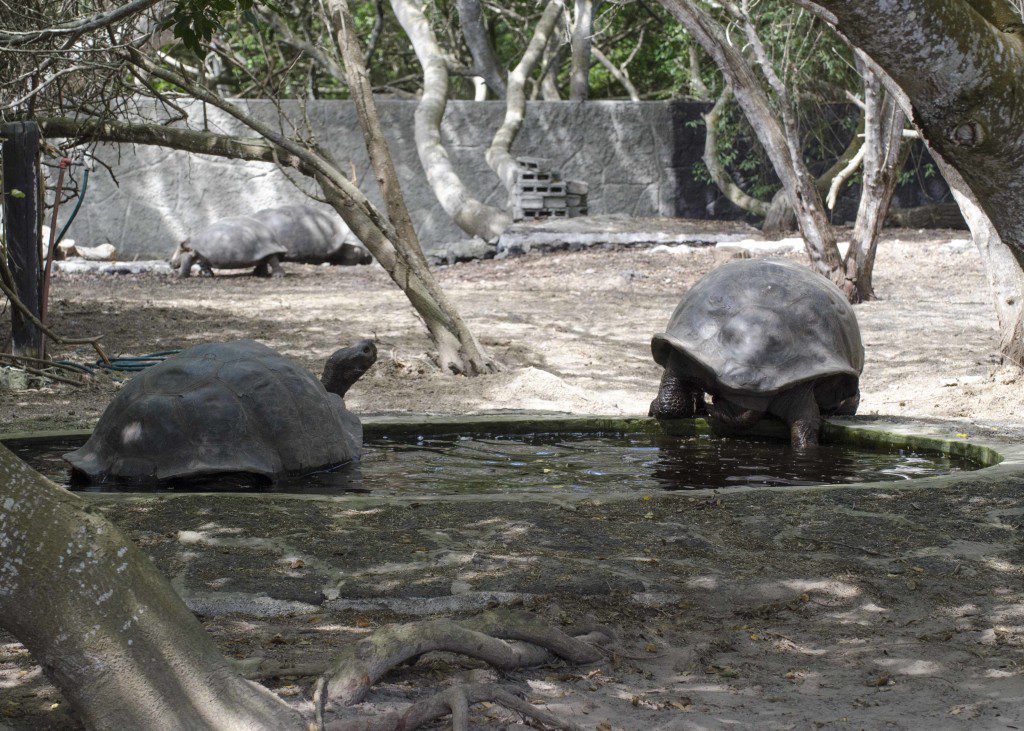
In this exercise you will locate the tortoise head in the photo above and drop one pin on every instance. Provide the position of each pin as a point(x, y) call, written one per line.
point(346, 366)
point(182, 248)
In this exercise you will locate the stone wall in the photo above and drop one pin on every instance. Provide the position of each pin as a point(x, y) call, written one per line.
point(638, 159)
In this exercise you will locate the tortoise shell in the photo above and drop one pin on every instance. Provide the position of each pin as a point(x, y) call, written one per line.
point(755, 327)
point(308, 234)
point(237, 407)
point(236, 242)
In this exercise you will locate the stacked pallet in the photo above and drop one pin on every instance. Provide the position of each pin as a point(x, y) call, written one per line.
point(541, 193)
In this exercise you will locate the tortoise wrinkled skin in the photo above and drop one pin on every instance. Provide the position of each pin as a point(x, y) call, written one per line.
point(221, 408)
point(761, 336)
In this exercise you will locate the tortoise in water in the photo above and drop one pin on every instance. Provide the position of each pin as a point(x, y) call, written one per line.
point(237, 242)
point(761, 337)
point(237, 408)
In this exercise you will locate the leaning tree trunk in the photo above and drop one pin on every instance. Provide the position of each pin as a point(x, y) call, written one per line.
point(580, 43)
point(1004, 264)
point(458, 348)
point(485, 61)
point(779, 138)
point(883, 159)
point(126, 653)
point(554, 55)
point(499, 155)
point(719, 175)
point(456, 353)
point(961, 65)
point(472, 216)
point(106, 626)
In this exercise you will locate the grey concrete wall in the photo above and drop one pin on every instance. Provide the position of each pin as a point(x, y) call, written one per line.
point(637, 157)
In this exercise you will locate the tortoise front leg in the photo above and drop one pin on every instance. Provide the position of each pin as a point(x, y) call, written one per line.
point(186, 260)
point(274, 262)
point(798, 408)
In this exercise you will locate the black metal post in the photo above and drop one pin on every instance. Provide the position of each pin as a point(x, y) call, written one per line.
point(21, 228)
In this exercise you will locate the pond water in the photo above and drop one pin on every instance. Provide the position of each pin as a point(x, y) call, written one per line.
point(562, 462)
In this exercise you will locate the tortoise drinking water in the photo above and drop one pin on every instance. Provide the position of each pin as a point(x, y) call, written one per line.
point(761, 336)
point(238, 408)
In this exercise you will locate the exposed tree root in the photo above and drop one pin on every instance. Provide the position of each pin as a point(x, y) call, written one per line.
point(456, 702)
point(483, 637)
point(506, 639)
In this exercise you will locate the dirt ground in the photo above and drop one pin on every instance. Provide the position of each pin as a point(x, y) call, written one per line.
point(572, 331)
point(845, 608)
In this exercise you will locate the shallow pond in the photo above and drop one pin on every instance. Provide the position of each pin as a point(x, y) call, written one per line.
point(569, 462)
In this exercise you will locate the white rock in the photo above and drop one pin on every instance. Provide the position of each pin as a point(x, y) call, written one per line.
point(103, 252)
point(682, 249)
point(755, 246)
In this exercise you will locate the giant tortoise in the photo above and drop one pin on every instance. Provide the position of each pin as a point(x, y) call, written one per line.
point(237, 408)
point(266, 238)
point(236, 242)
point(761, 336)
point(312, 236)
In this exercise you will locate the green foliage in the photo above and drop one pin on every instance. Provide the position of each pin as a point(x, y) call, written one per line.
point(196, 20)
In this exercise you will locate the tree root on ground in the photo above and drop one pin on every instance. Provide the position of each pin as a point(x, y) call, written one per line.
point(506, 639)
point(454, 701)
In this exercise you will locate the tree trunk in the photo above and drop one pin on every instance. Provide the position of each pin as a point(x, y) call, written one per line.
point(554, 55)
point(472, 216)
point(883, 159)
point(961, 65)
point(485, 61)
point(367, 223)
point(619, 74)
point(1003, 265)
point(778, 138)
point(499, 156)
point(106, 626)
point(780, 218)
point(580, 42)
point(464, 355)
point(719, 175)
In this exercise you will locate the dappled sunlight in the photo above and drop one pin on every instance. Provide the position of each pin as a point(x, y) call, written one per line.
point(911, 666)
point(837, 589)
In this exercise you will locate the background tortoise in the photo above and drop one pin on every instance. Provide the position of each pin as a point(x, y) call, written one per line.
point(267, 237)
point(237, 242)
point(312, 236)
point(761, 336)
point(236, 408)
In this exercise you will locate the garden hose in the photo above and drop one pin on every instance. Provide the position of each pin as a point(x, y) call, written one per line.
point(126, 364)
point(78, 204)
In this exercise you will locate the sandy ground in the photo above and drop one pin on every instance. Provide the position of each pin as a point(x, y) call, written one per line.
point(571, 330)
point(843, 608)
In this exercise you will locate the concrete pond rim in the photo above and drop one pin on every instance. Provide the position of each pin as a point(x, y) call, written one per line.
point(999, 459)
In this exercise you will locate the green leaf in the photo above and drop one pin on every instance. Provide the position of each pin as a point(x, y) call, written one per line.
point(15, 193)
